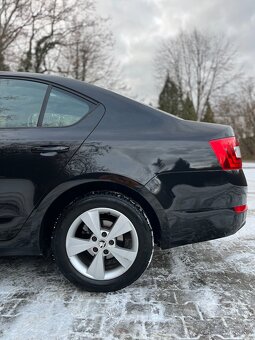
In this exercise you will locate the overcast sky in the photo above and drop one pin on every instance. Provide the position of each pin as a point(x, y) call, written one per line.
point(138, 26)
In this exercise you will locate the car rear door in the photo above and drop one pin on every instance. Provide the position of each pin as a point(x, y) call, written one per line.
point(41, 127)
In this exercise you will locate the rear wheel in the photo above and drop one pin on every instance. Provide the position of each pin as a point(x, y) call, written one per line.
point(103, 242)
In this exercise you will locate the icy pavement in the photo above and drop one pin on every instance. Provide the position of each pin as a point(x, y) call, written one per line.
point(201, 291)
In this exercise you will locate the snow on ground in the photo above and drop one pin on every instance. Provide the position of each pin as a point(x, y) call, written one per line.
point(200, 291)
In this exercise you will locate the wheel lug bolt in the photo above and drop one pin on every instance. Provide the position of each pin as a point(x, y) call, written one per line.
point(106, 252)
point(104, 234)
point(111, 242)
point(94, 238)
point(95, 250)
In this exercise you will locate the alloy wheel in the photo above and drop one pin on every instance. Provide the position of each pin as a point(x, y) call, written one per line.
point(102, 243)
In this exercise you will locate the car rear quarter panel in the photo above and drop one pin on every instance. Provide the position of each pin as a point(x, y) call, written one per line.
point(175, 162)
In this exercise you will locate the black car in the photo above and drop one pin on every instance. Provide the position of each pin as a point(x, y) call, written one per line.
point(94, 179)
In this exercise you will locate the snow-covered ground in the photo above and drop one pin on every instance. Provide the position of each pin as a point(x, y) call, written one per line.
point(204, 291)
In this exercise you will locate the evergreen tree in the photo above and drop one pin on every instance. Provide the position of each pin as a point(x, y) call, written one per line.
point(209, 115)
point(169, 100)
point(188, 110)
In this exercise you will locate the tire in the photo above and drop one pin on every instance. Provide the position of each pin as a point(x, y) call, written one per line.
point(118, 245)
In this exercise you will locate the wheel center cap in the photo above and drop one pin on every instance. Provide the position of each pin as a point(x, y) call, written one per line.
point(102, 244)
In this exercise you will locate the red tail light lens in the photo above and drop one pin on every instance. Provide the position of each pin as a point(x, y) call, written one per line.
point(240, 208)
point(228, 153)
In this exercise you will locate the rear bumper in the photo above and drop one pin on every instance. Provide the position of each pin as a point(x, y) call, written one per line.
point(193, 227)
point(198, 205)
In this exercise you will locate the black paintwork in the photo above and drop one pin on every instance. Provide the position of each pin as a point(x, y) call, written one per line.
point(164, 162)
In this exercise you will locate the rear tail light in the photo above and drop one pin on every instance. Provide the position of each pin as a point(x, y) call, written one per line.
point(240, 208)
point(228, 153)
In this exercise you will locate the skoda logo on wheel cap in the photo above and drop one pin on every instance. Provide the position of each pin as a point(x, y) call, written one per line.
point(102, 244)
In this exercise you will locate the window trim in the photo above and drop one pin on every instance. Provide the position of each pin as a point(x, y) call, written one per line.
point(44, 106)
point(45, 101)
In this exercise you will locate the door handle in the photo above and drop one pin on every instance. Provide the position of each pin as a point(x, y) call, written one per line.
point(50, 148)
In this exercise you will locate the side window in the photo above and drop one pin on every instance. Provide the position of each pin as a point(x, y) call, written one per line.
point(64, 109)
point(20, 102)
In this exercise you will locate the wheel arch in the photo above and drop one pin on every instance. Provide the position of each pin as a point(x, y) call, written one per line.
point(139, 194)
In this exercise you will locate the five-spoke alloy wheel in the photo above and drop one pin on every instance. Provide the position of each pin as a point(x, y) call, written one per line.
point(103, 242)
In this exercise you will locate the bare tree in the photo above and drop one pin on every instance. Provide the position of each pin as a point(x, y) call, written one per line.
point(45, 35)
point(248, 101)
point(201, 64)
point(238, 108)
point(69, 38)
point(14, 16)
point(87, 54)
